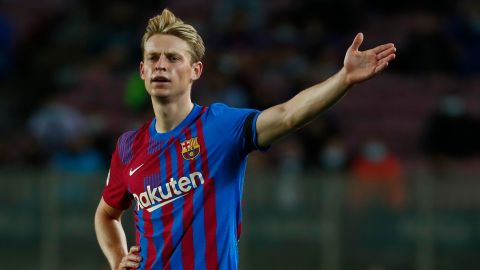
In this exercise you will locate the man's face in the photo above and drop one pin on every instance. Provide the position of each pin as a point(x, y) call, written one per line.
point(166, 67)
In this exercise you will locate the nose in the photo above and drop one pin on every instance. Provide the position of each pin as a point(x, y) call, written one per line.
point(161, 64)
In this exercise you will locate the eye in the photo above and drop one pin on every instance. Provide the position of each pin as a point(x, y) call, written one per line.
point(152, 58)
point(175, 58)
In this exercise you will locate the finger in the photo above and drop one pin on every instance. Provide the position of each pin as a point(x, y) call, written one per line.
point(381, 67)
point(388, 58)
point(128, 264)
point(383, 47)
point(384, 63)
point(134, 249)
point(134, 258)
point(386, 53)
point(357, 41)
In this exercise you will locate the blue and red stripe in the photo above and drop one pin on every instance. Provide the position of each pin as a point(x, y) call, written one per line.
point(198, 224)
point(145, 223)
point(167, 214)
point(177, 228)
point(210, 215)
point(188, 253)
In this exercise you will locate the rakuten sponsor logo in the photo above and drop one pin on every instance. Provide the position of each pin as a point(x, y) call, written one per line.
point(156, 197)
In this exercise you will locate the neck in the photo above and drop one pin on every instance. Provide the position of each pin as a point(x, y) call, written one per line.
point(170, 114)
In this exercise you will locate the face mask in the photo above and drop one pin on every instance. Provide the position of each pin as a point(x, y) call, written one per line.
point(333, 158)
point(374, 151)
point(452, 106)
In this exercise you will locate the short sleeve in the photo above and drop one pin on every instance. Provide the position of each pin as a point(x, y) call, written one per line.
point(116, 192)
point(238, 126)
point(250, 133)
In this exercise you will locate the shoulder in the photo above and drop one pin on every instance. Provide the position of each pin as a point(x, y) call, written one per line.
point(126, 138)
point(125, 142)
point(129, 136)
point(226, 111)
point(218, 108)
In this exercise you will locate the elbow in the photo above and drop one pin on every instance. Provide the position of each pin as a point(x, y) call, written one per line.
point(102, 216)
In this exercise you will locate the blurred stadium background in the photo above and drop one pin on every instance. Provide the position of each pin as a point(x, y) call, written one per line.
point(389, 178)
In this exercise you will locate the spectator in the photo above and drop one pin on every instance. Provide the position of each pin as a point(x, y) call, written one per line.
point(451, 133)
point(377, 174)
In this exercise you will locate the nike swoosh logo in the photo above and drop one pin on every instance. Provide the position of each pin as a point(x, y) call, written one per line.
point(163, 203)
point(136, 169)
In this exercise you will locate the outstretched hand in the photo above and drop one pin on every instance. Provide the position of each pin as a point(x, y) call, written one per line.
point(362, 65)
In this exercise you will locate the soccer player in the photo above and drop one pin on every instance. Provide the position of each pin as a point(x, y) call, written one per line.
point(184, 169)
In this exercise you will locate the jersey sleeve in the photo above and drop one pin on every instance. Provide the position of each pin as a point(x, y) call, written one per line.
point(116, 192)
point(238, 126)
point(250, 133)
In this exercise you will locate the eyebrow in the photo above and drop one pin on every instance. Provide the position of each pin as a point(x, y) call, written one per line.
point(170, 53)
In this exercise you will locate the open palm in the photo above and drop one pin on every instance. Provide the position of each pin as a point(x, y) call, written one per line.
point(362, 65)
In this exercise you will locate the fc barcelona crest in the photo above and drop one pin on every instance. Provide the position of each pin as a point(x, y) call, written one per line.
point(190, 148)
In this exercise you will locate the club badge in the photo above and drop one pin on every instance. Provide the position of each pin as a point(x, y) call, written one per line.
point(190, 148)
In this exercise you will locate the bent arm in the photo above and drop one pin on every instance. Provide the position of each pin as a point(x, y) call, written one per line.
point(358, 66)
point(110, 233)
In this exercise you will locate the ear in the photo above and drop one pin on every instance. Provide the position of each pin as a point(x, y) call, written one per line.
point(142, 71)
point(197, 69)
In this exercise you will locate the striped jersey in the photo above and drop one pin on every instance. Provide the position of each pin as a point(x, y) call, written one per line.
point(186, 187)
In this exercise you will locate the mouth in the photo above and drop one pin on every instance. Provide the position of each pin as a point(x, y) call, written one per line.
point(160, 79)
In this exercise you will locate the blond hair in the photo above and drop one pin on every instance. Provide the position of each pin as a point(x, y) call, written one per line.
point(167, 24)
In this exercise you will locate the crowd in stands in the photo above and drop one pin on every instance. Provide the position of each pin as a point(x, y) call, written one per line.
point(69, 78)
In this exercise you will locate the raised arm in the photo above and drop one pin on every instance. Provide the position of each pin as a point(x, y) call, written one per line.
point(358, 66)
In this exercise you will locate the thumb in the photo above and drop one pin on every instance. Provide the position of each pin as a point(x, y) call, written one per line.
point(357, 41)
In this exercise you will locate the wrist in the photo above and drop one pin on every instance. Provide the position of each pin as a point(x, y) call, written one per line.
point(115, 263)
point(343, 78)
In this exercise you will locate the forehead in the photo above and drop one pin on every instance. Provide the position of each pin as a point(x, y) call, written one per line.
point(161, 43)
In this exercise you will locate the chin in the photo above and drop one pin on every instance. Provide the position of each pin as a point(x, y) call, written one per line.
point(159, 92)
